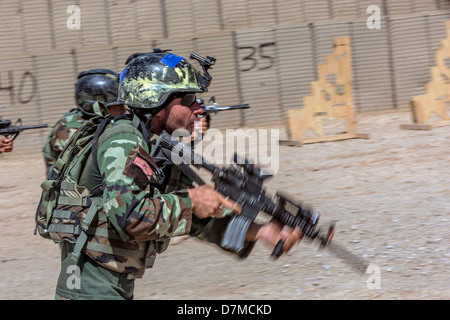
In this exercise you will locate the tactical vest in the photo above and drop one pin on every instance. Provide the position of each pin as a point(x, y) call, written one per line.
point(72, 212)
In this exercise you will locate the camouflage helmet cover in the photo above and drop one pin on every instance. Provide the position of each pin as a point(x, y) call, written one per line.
point(96, 85)
point(150, 78)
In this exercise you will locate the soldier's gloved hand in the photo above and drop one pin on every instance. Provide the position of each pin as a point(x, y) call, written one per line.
point(206, 202)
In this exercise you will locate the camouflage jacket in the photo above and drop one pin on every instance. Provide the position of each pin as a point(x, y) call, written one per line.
point(60, 135)
point(143, 207)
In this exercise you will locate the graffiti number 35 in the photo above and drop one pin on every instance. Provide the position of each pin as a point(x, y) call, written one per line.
point(257, 57)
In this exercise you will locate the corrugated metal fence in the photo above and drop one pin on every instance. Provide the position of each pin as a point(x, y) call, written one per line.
point(267, 51)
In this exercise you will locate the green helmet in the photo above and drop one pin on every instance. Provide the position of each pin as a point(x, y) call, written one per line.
point(96, 85)
point(149, 79)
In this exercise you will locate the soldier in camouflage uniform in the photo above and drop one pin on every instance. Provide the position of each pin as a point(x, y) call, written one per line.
point(92, 85)
point(144, 201)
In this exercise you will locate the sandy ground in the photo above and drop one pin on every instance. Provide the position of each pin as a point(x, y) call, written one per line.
point(389, 194)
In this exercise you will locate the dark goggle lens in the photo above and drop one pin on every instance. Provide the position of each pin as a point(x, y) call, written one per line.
point(188, 99)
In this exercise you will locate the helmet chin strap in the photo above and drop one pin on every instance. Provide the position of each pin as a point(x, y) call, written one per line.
point(148, 119)
point(144, 115)
point(147, 116)
point(84, 114)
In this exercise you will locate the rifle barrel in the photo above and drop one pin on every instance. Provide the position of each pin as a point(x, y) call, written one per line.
point(15, 130)
point(356, 262)
point(241, 106)
point(34, 127)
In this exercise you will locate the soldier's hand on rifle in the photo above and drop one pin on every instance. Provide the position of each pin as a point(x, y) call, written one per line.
point(200, 127)
point(272, 232)
point(206, 202)
point(6, 145)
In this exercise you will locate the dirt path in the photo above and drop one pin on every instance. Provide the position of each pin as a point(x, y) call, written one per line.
point(390, 195)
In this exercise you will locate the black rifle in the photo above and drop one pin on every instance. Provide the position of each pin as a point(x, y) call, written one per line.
point(213, 107)
point(7, 129)
point(244, 184)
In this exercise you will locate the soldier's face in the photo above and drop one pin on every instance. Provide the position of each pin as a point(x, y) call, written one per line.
point(177, 116)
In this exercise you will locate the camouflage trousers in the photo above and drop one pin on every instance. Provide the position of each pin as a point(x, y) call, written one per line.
point(87, 280)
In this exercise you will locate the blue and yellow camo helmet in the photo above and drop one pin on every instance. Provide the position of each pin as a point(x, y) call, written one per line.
point(150, 78)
